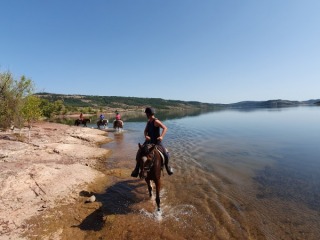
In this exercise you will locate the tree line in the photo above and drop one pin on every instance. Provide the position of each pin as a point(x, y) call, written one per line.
point(89, 101)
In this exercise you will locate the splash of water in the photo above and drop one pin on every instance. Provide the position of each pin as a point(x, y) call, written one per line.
point(156, 215)
point(177, 213)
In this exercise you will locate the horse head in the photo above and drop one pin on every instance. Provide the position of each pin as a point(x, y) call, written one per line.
point(146, 158)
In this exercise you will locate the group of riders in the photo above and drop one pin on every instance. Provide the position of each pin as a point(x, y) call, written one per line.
point(152, 135)
point(101, 117)
point(118, 116)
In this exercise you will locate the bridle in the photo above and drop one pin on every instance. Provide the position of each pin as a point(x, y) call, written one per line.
point(150, 156)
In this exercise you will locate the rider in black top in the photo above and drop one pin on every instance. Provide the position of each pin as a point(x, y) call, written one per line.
point(152, 131)
point(152, 135)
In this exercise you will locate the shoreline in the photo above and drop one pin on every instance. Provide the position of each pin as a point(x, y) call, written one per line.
point(45, 171)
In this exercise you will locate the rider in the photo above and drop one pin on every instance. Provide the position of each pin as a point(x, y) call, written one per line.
point(101, 117)
point(152, 135)
point(118, 116)
point(81, 116)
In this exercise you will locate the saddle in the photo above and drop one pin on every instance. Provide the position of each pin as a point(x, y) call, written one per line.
point(161, 151)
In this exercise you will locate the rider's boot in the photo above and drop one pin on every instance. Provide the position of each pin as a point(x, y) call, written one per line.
point(135, 172)
point(168, 168)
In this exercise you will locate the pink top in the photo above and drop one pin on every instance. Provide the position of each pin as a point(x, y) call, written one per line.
point(118, 117)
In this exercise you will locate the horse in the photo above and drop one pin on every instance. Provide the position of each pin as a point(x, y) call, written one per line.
point(103, 122)
point(151, 163)
point(117, 124)
point(84, 121)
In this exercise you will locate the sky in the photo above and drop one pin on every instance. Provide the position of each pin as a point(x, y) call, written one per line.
point(213, 51)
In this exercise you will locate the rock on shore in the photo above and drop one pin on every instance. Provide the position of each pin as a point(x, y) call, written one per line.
point(52, 166)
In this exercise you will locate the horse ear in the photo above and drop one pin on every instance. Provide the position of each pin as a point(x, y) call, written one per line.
point(139, 145)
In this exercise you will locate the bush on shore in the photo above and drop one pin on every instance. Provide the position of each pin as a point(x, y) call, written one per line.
point(13, 97)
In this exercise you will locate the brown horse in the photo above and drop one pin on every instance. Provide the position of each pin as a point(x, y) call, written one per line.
point(84, 121)
point(103, 123)
point(150, 167)
point(117, 124)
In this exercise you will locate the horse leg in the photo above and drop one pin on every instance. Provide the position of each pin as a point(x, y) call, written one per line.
point(149, 187)
point(158, 185)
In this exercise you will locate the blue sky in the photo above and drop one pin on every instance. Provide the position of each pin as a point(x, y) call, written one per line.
point(217, 51)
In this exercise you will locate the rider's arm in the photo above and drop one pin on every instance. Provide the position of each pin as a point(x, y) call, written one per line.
point(158, 123)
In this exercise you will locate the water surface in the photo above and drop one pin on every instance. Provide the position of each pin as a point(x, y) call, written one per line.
point(238, 175)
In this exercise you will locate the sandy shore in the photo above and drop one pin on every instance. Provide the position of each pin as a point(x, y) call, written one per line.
point(48, 169)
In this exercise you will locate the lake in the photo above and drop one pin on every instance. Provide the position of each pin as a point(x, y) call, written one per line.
point(238, 174)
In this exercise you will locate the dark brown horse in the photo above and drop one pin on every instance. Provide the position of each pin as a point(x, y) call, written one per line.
point(150, 167)
point(84, 121)
point(118, 124)
point(103, 122)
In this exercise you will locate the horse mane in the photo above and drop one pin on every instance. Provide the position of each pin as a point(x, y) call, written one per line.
point(147, 146)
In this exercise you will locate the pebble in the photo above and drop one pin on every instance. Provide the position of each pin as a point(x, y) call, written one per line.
point(91, 199)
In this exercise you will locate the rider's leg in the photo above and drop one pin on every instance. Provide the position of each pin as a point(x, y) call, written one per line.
point(135, 172)
point(166, 159)
point(168, 168)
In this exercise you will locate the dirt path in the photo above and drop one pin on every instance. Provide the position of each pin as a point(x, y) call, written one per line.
point(47, 171)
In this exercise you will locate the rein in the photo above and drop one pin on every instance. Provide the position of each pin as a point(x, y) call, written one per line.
point(152, 161)
point(149, 158)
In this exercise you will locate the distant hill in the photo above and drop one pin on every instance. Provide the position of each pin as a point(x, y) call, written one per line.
point(162, 104)
point(312, 101)
point(271, 104)
point(125, 102)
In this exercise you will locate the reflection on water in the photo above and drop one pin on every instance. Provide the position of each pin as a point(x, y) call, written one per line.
point(238, 175)
point(138, 116)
